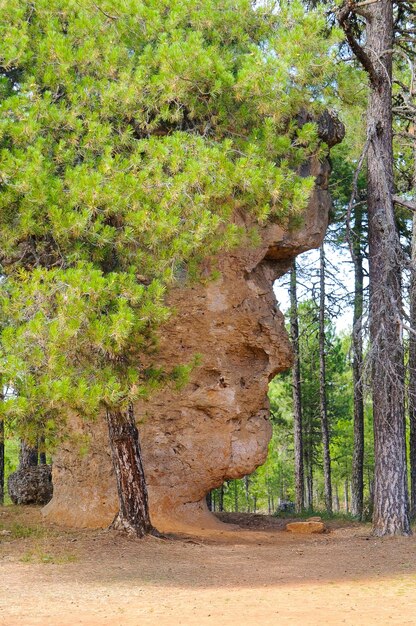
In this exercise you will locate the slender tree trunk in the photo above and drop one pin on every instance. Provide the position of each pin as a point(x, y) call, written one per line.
point(208, 498)
point(247, 492)
point(346, 498)
point(133, 516)
point(221, 499)
point(235, 496)
point(1, 462)
point(391, 509)
point(322, 387)
point(336, 499)
point(357, 483)
point(28, 456)
point(309, 482)
point(297, 396)
point(412, 365)
point(316, 494)
point(371, 491)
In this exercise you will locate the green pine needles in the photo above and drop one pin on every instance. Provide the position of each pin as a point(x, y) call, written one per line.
point(131, 132)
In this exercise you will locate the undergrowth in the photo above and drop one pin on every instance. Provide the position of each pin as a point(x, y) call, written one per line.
point(316, 513)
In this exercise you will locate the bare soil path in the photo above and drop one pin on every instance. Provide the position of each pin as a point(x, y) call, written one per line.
point(259, 575)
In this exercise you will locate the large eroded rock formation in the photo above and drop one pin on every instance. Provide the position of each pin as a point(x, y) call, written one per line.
point(217, 427)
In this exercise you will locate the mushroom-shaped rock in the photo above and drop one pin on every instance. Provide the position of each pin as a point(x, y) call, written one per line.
point(216, 427)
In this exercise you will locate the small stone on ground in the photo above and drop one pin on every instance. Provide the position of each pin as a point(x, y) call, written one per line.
point(306, 528)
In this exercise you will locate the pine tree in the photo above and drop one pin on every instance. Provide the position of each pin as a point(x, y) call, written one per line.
point(323, 408)
point(404, 99)
point(391, 511)
point(2, 463)
point(357, 482)
point(297, 396)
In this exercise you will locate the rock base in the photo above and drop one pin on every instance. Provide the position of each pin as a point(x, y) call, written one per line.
point(32, 485)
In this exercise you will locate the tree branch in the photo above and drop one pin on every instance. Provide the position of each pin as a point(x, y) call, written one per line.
point(403, 202)
point(110, 17)
point(344, 15)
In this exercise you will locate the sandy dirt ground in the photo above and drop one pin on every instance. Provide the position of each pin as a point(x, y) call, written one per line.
point(258, 575)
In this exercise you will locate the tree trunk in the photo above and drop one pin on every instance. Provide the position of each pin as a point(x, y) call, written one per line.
point(247, 492)
point(297, 397)
point(391, 509)
point(412, 365)
point(322, 386)
point(133, 516)
point(346, 499)
point(1, 462)
point(371, 492)
point(221, 499)
point(391, 506)
point(309, 475)
point(28, 456)
point(235, 496)
point(357, 483)
point(336, 499)
point(208, 498)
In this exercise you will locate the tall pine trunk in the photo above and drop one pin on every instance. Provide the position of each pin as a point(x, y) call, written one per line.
point(247, 492)
point(308, 456)
point(357, 483)
point(322, 386)
point(208, 499)
point(133, 516)
point(297, 396)
point(336, 499)
point(346, 498)
point(391, 509)
point(391, 502)
point(221, 498)
point(412, 373)
point(235, 496)
point(1, 462)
